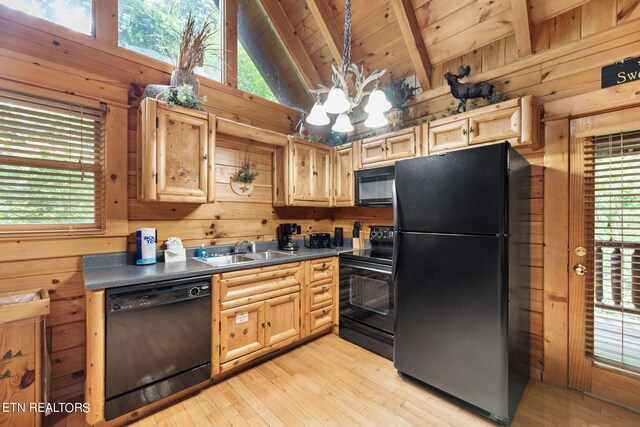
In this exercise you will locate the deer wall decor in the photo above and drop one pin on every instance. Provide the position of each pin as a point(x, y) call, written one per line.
point(464, 91)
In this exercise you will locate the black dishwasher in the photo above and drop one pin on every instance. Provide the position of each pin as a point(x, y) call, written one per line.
point(158, 341)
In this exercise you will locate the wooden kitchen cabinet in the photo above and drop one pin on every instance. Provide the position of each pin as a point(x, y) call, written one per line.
point(303, 174)
point(255, 311)
point(385, 149)
point(322, 173)
point(516, 121)
point(321, 301)
point(343, 177)
point(495, 126)
point(241, 331)
point(372, 151)
point(283, 318)
point(448, 136)
point(175, 154)
point(252, 327)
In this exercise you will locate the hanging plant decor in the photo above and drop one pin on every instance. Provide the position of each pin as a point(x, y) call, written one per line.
point(242, 180)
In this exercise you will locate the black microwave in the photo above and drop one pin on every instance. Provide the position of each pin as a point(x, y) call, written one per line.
point(374, 187)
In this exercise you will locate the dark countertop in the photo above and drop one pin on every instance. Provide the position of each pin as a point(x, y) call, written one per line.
point(114, 270)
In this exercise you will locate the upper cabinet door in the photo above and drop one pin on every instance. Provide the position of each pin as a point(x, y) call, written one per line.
point(495, 126)
point(373, 151)
point(175, 154)
point(303, 177)
point(183, 150)
point(344, 177)
point(322, 174)
point(401, 147)
point(448, 136)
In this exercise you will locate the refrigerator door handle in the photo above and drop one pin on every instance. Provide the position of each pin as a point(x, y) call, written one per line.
point(396, 218)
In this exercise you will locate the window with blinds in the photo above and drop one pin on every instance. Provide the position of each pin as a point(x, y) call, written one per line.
point(51, 166)
point(612, 218)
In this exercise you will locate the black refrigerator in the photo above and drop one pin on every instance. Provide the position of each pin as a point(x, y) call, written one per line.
point(461, 272)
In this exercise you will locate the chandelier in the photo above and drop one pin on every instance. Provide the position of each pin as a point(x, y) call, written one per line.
point(340, 100)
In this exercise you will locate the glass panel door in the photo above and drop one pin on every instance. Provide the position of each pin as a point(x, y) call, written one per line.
point(604, 256)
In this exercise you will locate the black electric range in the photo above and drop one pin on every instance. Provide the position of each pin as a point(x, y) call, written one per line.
point(367, 307)
point(382, 256)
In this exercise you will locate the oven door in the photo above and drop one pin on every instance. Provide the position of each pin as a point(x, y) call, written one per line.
point(374, 187)
point(366, 294)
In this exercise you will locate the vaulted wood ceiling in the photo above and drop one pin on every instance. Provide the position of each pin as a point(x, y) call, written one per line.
point(407, 37)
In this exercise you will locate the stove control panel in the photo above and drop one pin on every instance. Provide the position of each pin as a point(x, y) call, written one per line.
point(381, 233)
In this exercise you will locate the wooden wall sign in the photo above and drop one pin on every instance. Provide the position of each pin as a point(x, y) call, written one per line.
point(625, 71)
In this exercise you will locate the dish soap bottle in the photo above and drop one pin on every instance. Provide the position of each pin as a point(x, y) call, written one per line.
point(202, 252)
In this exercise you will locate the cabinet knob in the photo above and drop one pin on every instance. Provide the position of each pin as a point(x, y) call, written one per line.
point(205, 157)
point(464, 131)
point(262, 325)
point(315, 172)
point(269, 324)
point(348, 173)
point(471, 129)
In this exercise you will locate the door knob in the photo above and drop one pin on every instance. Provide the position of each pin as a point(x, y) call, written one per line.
point(580, 269)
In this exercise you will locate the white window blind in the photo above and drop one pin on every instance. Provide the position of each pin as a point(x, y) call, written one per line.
point(51, 165)
point(612, 218)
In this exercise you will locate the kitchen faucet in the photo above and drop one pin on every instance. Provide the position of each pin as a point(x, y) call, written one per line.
point(236, 248)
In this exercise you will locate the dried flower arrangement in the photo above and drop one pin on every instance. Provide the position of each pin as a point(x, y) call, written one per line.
point(193, 45)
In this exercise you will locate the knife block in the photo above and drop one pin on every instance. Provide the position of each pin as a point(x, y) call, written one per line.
point(358, 242)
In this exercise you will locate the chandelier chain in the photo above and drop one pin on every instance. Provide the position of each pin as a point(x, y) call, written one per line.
point(346, 52)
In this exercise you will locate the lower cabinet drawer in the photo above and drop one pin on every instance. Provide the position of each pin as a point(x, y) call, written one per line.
point(321, 270)
point(320, 296)
point(321, 319)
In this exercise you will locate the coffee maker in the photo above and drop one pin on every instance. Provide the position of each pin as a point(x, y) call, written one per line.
point(286, 239)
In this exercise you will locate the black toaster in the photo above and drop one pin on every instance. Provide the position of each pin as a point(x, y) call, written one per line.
point(317, 240)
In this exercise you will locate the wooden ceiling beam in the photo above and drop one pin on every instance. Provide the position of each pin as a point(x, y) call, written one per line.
point(324, 18)
point(287, 34)
point(412, 35)
point(522, 27)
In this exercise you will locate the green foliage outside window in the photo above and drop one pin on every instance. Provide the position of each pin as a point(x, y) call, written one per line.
point(153, 27)
point(249, 77)
point(74, 14)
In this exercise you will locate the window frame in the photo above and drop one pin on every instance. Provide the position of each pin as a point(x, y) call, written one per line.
point(105, 33)
point(101, 224)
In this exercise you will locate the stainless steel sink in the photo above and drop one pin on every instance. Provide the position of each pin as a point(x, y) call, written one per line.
point(219, 261)
point(266, 255)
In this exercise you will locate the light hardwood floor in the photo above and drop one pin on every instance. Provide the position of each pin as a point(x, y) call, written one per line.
point(332, 382)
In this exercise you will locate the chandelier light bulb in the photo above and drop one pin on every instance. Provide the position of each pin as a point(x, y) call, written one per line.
point(377, 102)
point(376, 119)
point(318, 115)
point(336, 102)
point(342, 124)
